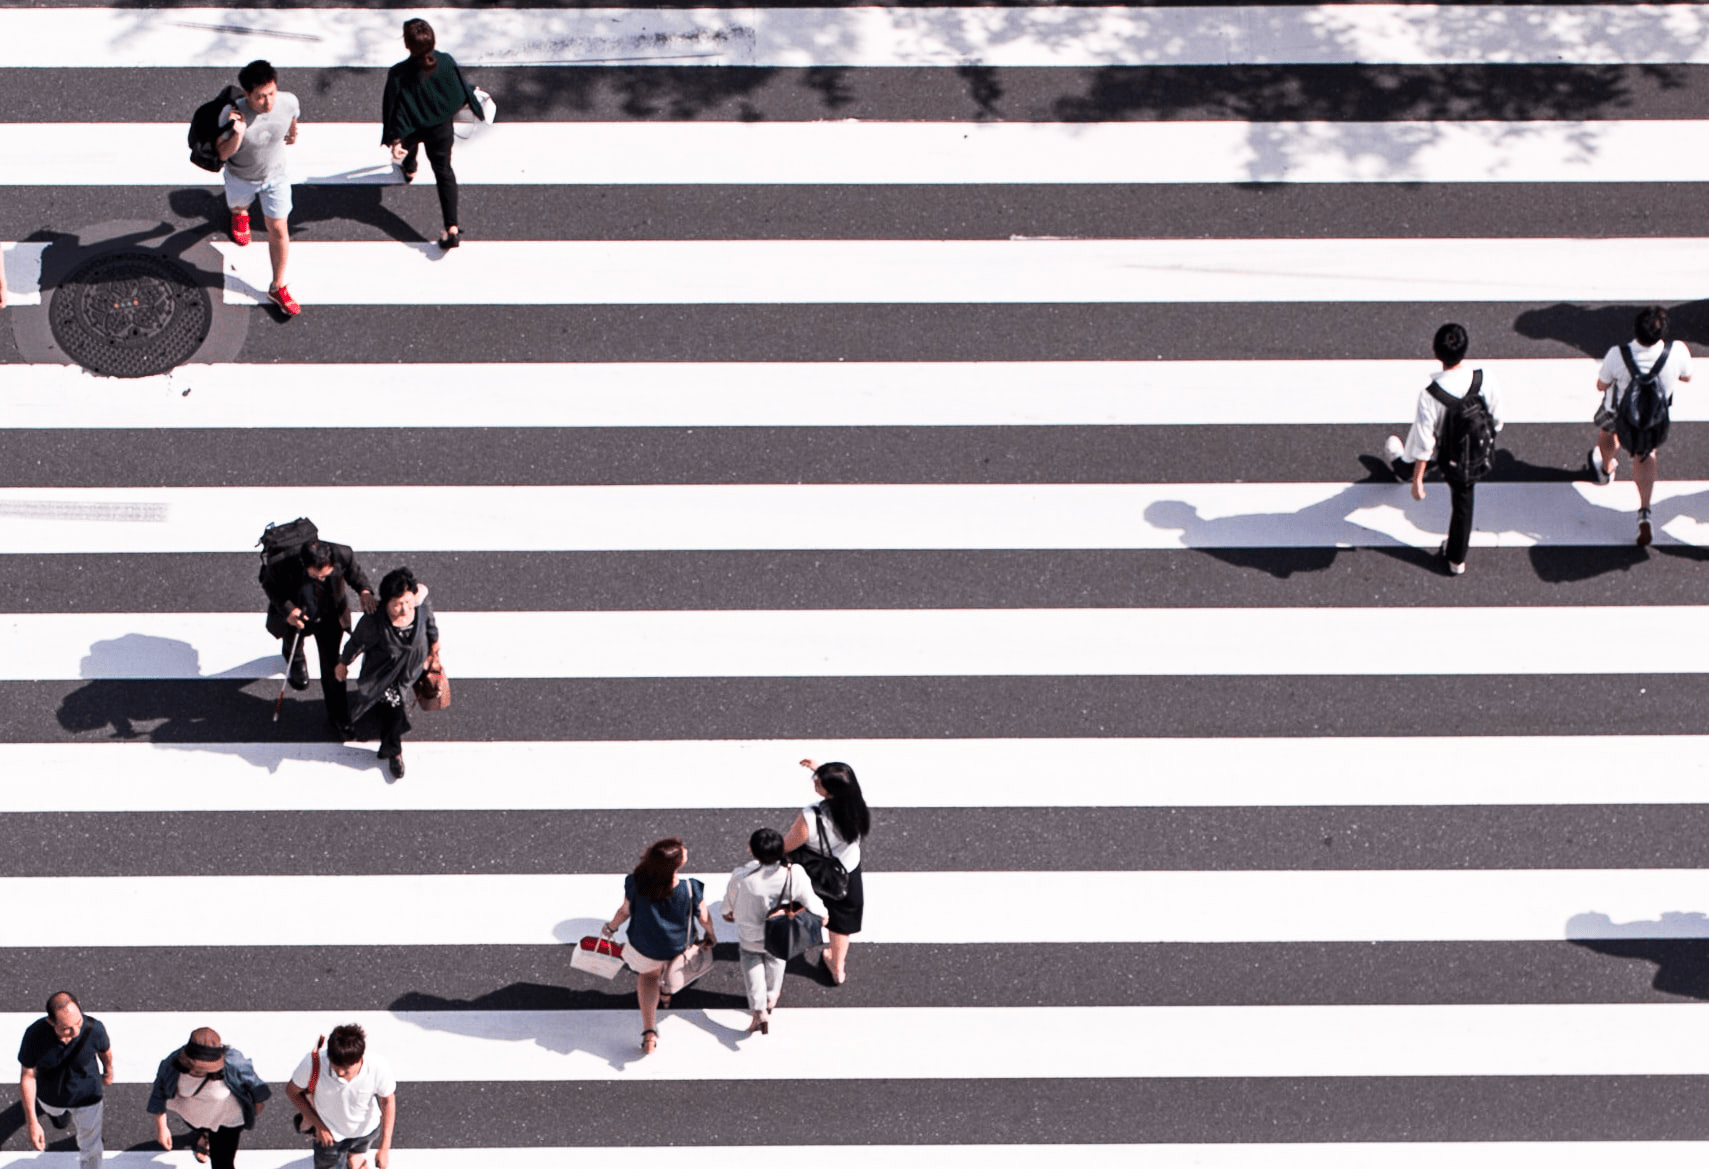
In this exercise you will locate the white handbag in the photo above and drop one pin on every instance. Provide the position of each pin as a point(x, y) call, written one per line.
point(597, 957)
point(467, 124)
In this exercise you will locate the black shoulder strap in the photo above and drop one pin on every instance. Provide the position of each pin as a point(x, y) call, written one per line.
point(1443, 396)
point(1477, 383)
point(1631, 362)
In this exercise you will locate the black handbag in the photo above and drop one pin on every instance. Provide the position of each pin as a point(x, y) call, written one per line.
point(791, 929)
point(830, 879)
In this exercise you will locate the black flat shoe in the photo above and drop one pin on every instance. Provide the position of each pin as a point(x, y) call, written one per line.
point(450, 240)
point(396, 763)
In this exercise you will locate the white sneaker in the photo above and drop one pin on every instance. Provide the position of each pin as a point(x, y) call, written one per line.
point(1394, 448)
point(1594, 462)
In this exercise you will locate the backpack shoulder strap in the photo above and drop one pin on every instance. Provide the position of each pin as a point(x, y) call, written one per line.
point(1477, 383)
point(1656, 369)
point(1449, 401)
point(1631, 362)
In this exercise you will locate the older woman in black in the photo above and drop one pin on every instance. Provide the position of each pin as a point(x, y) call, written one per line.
point(395, 644)
point(423, 93)
point(836, 824)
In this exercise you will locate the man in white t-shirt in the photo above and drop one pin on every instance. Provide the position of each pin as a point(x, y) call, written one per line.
point(1614, 381)
point(349, 1098)
point(1454, 381)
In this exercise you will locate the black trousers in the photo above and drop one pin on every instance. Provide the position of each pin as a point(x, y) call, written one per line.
point(438, 140)
point(1459, 517)
point(222, 1145)
point(328, 637)
point(394, 725)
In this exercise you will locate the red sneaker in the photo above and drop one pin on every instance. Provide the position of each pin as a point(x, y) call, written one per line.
point(282, 297)
point(240, 228)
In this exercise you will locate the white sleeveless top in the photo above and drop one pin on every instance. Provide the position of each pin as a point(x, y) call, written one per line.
point(844, 850)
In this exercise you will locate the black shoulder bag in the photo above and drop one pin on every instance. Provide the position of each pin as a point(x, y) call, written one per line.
point(830, 879)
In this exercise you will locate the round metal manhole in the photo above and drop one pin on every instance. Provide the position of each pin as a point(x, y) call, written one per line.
point(130, 315)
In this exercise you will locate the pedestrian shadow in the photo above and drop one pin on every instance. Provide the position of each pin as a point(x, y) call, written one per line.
point(1676, 943)
point(311, 204)
point(1593, 331)
point(142, 655)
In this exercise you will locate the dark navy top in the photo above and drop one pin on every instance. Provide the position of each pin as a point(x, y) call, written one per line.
point(67, 1074)
point(659, 929)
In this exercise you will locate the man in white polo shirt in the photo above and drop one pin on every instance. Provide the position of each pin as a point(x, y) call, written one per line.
point(1614, 381)
point(349, 1098)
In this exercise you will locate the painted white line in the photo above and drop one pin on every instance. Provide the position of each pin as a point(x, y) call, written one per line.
point(872, 643)
point(980, 271)
point(1348, 1155)
point(646, 394)
point(523, 519)
point(139, 776)
point(871, 36)
point(534, 153)
point(1002, 1043)
point(23, 267)
point(1009, 908)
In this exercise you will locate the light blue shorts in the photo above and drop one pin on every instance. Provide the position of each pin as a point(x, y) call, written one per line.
point(275, 195)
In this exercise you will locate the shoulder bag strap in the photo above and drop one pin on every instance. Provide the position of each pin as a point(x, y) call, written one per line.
point(819, 819)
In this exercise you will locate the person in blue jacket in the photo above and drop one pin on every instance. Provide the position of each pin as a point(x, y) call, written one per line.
point(213, 1089)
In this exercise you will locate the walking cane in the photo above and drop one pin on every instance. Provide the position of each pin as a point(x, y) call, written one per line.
point(280, 701)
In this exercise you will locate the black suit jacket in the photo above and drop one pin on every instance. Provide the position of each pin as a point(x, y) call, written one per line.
point(292, 587)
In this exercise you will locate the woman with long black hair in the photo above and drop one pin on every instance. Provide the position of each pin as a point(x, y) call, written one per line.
point(423, 93)
point(836, 824)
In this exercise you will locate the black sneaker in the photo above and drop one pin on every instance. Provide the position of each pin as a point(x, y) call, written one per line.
point(1644, 528)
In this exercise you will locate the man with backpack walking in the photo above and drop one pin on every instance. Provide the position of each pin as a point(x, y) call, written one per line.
point(262, 123)
point(1458, 416)
point(307, 581)
point(1636, 382)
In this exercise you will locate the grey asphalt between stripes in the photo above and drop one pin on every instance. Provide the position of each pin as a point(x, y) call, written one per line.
point(1041, 839)
point(1666, 574)
point(930, 332)
point(197, 976)
point(663, 92)
point(606, 1114)
point(1258, 210)
point(499, 456)
point(222, 712)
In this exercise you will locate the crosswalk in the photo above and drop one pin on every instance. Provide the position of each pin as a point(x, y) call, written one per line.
point(987, 396)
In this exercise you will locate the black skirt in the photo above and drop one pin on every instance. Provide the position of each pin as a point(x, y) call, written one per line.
point(844, 913)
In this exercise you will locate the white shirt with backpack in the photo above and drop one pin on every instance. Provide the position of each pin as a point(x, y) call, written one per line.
point(1618, 378)
point(349, 1108)
point(1456, 382)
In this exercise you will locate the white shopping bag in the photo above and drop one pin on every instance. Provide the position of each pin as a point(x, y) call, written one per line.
point(467, 124)
point(598, 957)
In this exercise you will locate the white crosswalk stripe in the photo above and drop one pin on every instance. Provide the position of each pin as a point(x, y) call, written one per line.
point(1211, 828)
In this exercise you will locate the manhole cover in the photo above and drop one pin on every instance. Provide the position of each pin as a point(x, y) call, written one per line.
point(130, 315)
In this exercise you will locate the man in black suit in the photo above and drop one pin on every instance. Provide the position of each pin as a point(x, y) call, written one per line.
point(307, 597)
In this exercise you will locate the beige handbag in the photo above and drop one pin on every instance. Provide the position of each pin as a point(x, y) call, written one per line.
point(693, 962)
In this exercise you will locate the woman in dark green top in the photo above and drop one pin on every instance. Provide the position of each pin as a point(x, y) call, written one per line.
point(423, 93)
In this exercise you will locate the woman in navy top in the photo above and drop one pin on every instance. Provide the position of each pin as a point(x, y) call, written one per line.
point(658, 905)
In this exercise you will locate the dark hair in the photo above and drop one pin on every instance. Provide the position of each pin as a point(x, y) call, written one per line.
point(1651, 325)
point(395, 584)
point(767, 845)
point(346, 1045)
point(1450, 344)
point(420, 41)
point(658, 865)
point(59, 1000)
point(315, 555)
point(256, 74)
point(844, 801)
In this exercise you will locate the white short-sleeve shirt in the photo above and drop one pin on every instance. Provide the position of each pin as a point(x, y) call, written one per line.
point(348, 1108)
point(1614, 375)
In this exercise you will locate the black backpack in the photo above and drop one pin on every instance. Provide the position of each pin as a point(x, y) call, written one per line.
point(1465, 443)
point(1641, 419)
point(206, 128)
point(279, 543)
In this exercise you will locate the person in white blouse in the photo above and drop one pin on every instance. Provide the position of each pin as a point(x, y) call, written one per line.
point(836, 824)
point(755, 890)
